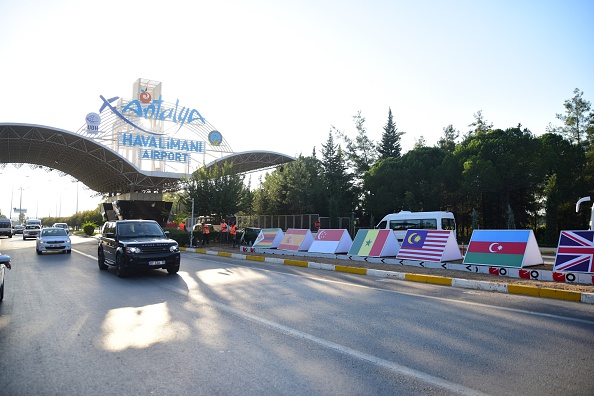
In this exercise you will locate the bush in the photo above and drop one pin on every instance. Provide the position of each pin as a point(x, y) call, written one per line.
point(89, 228)
point(181, 237)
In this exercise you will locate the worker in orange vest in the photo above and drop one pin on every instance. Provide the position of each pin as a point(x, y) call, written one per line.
point(205, 234)
point(223, 234)
point(233, 233)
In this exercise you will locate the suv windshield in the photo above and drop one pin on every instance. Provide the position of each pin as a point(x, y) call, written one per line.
point(140, 229)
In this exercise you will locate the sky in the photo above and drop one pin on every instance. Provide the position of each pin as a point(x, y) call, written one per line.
point(277, 75)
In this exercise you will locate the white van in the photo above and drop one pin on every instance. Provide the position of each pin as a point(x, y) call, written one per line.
point(402, 221)
point(6, 227)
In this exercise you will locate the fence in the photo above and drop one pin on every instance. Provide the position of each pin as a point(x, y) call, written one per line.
point(302, 221)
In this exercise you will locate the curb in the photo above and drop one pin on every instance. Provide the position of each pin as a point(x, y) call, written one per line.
point(542, 292)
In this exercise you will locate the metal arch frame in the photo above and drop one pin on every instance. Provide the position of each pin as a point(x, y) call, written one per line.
point(252, 161)
point(98, 167)
point(101, 168)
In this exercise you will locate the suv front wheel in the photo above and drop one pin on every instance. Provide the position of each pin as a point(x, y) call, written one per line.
point(101, 260)
point(120, 267)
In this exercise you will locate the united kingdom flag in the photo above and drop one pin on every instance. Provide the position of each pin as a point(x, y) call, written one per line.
point(575, 252)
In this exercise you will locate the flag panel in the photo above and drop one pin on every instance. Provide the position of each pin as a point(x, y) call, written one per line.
point(575, 252)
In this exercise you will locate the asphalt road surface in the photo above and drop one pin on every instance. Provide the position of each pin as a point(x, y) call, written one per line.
point(223, 326)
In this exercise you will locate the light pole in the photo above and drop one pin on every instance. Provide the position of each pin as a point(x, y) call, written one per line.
point(21, 206)
point(192, 229)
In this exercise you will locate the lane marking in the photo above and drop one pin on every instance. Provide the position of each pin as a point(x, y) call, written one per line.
point(470, 303)
point(392, 366)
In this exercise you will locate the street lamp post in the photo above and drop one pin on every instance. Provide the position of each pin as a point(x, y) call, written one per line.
point(21, 205)
point(192, 229)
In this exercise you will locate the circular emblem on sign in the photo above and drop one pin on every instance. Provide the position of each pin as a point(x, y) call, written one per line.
point(145, 97)
point(93, 119)
point(215, 138)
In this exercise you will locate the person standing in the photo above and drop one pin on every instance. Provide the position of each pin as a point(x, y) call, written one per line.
point(205, 234)
point(223, 235)
point(233, 233)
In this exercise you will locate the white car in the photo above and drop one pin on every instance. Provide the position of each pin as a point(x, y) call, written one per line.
point(53, 239)
point(31, 231)
point(62, 225)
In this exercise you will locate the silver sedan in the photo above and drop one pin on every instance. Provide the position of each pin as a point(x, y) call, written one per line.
point(53, 239)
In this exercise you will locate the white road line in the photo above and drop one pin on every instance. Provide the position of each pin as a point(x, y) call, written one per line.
point(475, 304)
point(395, 367)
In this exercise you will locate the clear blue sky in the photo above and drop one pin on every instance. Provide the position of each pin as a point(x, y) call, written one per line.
point(276, 75)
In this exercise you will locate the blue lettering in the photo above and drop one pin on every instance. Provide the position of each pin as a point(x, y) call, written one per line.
point(152, 142)
point(145, 154)
point(150, 108)
point(165, 114)
point(191, 117)
point(158, 102)
point(126, 139)
point(174, 144)
point(137, 141)
point(145, 140)
point(134, 106)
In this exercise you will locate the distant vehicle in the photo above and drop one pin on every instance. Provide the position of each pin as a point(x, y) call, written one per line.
point(4, 261)
point(136, 244)
point(404, 220)
point(6, 227)
point(31, 231)
point(18, 229)
point(61, 225)
point(33, 222)
point(53, 239)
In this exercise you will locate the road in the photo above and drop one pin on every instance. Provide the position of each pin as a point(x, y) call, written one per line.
point(224, 326)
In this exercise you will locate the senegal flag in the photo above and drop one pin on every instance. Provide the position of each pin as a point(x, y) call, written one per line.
point(370, 242)
point(504, 248)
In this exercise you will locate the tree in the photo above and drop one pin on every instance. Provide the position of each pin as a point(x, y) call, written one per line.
point(576, 120)
point(338, 183)
point(390, 146)
point(501, 168)
point(216, 191)
point(448, 140)
point(479, 125)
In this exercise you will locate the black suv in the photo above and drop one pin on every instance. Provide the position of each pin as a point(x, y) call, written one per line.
point(136, 244)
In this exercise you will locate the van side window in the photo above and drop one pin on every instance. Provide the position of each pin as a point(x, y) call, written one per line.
point(382, 225)
point(418, 224)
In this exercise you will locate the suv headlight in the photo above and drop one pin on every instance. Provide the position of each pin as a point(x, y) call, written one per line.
point(173, 248)
point(132, 249)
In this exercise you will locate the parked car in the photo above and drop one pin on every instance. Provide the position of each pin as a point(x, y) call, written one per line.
point(136, 244)
point(53, 239)
point(31, 231)
point(4, 263)
point(18, 229)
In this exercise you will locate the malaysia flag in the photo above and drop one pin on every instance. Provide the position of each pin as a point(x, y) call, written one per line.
point(424, 245)
point(575, 252)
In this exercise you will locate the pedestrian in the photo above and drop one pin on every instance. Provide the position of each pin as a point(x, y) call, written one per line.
point(223, 234)
point(205, 234)
point(233, 233)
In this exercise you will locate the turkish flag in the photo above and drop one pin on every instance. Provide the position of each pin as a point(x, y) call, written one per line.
point(524, 274)
point(559, 276)
point(494, 270)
